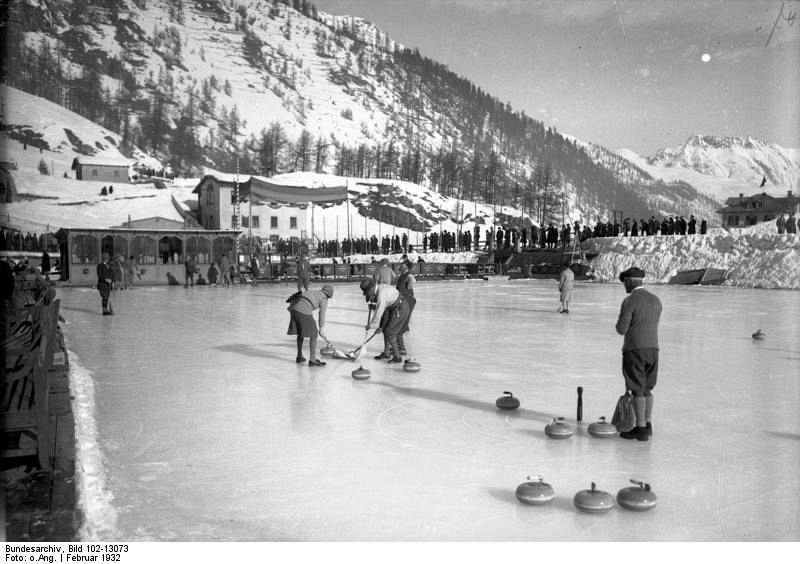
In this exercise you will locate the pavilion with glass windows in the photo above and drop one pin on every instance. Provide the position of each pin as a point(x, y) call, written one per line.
point(159, 253)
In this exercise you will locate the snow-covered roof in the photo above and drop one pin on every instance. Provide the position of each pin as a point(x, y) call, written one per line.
point(99, 160)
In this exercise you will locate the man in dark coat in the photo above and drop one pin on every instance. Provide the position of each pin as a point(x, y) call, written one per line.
point(46, 264)
point(638, 321)
point(105, 277)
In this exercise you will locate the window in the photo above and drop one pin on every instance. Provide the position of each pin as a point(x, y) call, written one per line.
point(233, 222)
point(733, 220)
point(116, 174)
point(245, 221)
point(273, 222)
point(255, 222)
point(222, 246)
point(143, 249)
point(84, 249)
point(292, 223)
point(94, 172)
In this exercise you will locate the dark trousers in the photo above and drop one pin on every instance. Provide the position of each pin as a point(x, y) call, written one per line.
point(640, 369)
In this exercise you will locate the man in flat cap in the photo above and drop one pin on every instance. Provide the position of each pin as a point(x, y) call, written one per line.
point(638, 322)
point(105, 276)
point(385, 273)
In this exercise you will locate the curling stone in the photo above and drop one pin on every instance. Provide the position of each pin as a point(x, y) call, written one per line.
point(412, 366)
point(361, 373)
point(639, 498)
point(535, 491)
point(507, 402)
point(327, 350)
point(602, 429)
point(593, 500)
point(558, 429)
point(758, 335)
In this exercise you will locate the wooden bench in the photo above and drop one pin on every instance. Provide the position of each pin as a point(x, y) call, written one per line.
point(25, 389)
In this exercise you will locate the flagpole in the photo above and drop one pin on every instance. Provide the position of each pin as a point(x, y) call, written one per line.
point(347, 187)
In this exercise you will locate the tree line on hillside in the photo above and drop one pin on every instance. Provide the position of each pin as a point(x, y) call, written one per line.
point(489, 152)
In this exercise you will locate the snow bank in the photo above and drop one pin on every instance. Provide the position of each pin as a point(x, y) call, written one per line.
point(755, 257)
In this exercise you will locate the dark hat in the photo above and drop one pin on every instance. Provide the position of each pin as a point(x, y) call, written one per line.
point(367, 284)
point(408, 264)
point(327, 289)
point(632, 272)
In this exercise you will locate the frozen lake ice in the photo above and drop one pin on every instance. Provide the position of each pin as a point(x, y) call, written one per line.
point(203, 428)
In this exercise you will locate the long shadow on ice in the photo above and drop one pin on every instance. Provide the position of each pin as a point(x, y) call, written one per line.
point(434, 395)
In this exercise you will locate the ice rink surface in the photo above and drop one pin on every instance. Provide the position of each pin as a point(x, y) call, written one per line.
point(209, 431)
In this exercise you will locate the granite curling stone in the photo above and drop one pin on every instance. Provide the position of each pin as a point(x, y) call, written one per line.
point(593, 500)
point(361, 373)
point(558, 429)
point(507, 401)
point(412, 365)
point(535, 491)
point(602, 429)
point(638, 498)
point(327, 350)
point(759, 335)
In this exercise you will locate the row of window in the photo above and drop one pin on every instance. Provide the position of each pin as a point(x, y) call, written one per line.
point(146, 249)
point(735, 220)
point(273, 222)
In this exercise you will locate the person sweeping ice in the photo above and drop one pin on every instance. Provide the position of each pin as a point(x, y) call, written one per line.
point(301, 321)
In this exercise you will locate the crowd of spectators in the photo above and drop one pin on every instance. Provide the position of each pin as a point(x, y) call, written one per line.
point(31, 242)
point(505, 237)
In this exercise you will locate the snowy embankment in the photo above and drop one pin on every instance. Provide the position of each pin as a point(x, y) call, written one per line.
point(755, 257)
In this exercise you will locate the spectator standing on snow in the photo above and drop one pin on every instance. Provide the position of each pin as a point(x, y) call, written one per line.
point(791, 224)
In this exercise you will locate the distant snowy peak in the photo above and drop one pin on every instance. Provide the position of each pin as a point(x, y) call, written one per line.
point(747, 159)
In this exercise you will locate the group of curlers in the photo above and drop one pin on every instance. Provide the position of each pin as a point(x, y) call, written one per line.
point(390, 302)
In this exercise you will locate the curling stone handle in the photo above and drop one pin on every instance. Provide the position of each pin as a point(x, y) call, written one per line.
point(509, 394)
point(640, 484)
point(535, 477)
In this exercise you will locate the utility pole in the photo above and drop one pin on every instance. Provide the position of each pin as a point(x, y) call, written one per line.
point(236, 210)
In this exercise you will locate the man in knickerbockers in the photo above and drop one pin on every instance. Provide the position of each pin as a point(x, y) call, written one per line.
point(638, 321)
point(105, 276)
point(405, 285)
point(390, 316)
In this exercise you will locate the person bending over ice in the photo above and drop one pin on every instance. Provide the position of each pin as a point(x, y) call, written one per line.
point(301, 320)
point(390, 316)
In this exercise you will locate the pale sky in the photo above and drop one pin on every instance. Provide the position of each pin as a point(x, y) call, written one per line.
point(635, 74)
